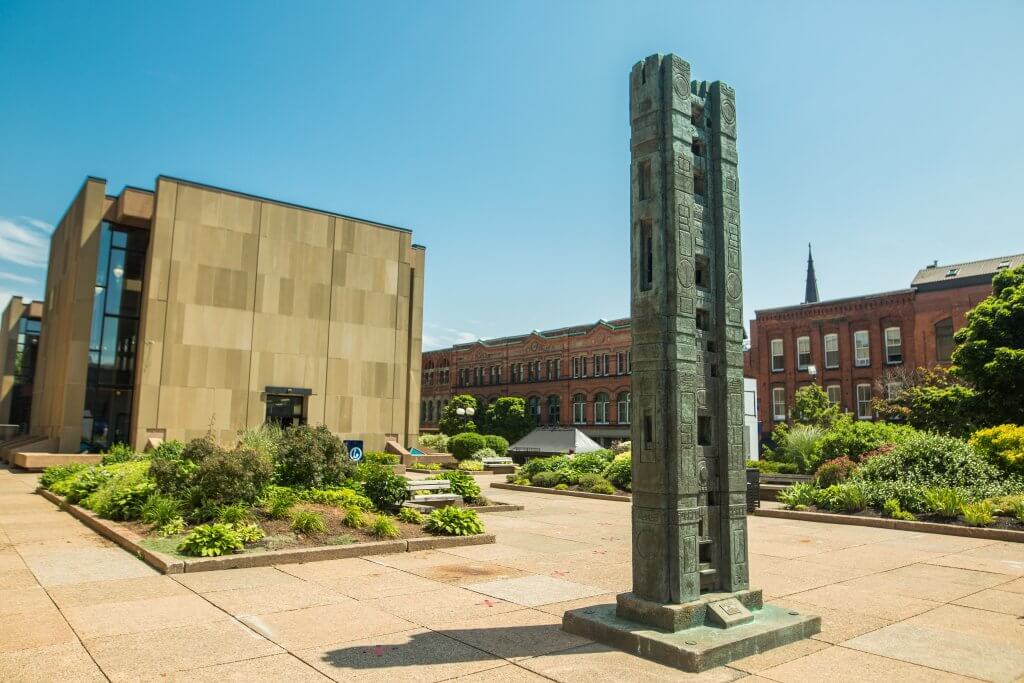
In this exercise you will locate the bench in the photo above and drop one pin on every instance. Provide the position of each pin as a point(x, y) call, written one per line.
point(427, 494)
point(499, 465)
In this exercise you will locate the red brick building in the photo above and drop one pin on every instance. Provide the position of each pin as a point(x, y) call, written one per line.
point(856, 347)
point(569, 376)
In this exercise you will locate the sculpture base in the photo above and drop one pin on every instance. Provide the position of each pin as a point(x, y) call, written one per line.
point(713, 631)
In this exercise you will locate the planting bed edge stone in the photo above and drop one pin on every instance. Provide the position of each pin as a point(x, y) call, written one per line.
point(577, 494)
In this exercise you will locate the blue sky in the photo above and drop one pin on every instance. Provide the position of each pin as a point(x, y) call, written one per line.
point(886, 133)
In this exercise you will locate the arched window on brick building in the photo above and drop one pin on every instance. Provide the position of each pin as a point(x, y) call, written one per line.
point(601, 408)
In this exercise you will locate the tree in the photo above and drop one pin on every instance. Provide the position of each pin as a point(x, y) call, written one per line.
point(812, 407)
point(989, 353)
point(932, 400)
point(507, 417)
point(451, 423)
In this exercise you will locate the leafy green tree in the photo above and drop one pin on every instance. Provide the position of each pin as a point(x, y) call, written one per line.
point(507, 417)
point(451, 423)
point(989, 353)
point(812, 407)
point(934, 401)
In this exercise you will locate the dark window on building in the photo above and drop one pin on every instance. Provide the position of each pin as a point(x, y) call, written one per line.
point(113, 339)
point(288, 411)
point(697, 148)
point(704, 430)
point(703, 320)
point(643, 178)
point(646, 255)
point(701, 275)
point(699, 183)
point(944, 340)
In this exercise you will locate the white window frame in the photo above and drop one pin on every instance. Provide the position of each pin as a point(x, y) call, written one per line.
point(800, 362)
point(620, 358)
point(862, 352)
point(575, 366)
point(838, 391)
point(624, 407)
point(778, 399)
point(864, 404)
point(892, 389)
point(891, 357)
point(831, 340)
point(781, 355)
point(579, 411)
point(600, 410)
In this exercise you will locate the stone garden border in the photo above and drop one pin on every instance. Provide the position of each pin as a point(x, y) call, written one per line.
point(899, 524)
point(577, 494)
point(167, 564)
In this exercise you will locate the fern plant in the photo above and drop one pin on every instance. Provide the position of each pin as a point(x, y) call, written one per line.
point(978, 514)
point(944, 502)
point(384, 527)
point(160, 509)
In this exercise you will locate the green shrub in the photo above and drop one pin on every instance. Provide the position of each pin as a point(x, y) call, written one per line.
point(1002, 445)
point(853, 438)
point(800, 447)
point(117, 453)
point(234, 514)
point(173, 464)
point(211, 540)
point(124, 491)
point(464, 445)
point(562, 487)
point(385, 488)
point(337, 497)
point(522, 481)
point(279, 501)
point(891, 508)
point(834, 472)
point(265, 439)
point(588, 463)
point(410, 515)
point(622, 447)
point(620, 473)
point(595, 483)
point(454, 521)
point(171, 527)
point(481, 454)
point(944, 502)
point(849, 498)
point(380, 458)
point(83, 483)
point(434, 443)
point(308, 522)
point(227, 477)
point(462, 484)
point(498, 444)
point(51, 475)
point(1018, 511)
point(800, 493)
point(910, 496)
point(312, 457)
point(773, 467)
point(354, 518)
point(432, 465)
point(249, 533)
point(978, 514)
point(160, 509)
point(547, 479)
point(384, 527)
point(549, 464)
point(930, 461)
point(470, 466)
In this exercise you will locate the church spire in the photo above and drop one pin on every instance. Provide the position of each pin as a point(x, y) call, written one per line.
point(811, 293)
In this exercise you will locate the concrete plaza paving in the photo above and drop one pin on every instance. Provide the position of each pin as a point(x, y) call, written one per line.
point(895, 605)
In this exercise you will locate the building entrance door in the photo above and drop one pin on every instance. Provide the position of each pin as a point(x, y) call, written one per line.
point(286, 410)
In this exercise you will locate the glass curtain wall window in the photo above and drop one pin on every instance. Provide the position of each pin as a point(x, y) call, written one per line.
point(861, 348)
point(893, 346)
point(624, 405)
point(778, 404)
point(864, 401)
point(113, 339)
point(831, 351)
point(803, 352)
point(777, 359)
point(601, 408)
point(579, 409)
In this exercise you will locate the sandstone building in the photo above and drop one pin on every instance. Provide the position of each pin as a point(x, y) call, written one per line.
point(19, 344)
point(189, 309)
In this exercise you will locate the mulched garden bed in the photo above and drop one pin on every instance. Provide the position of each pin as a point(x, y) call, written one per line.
point(1001, 522)
point(619, 495)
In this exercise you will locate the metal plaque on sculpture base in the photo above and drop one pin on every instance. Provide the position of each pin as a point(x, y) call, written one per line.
point(691, 604)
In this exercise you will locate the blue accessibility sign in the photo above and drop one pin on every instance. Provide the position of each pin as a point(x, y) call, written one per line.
point(355, 449)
